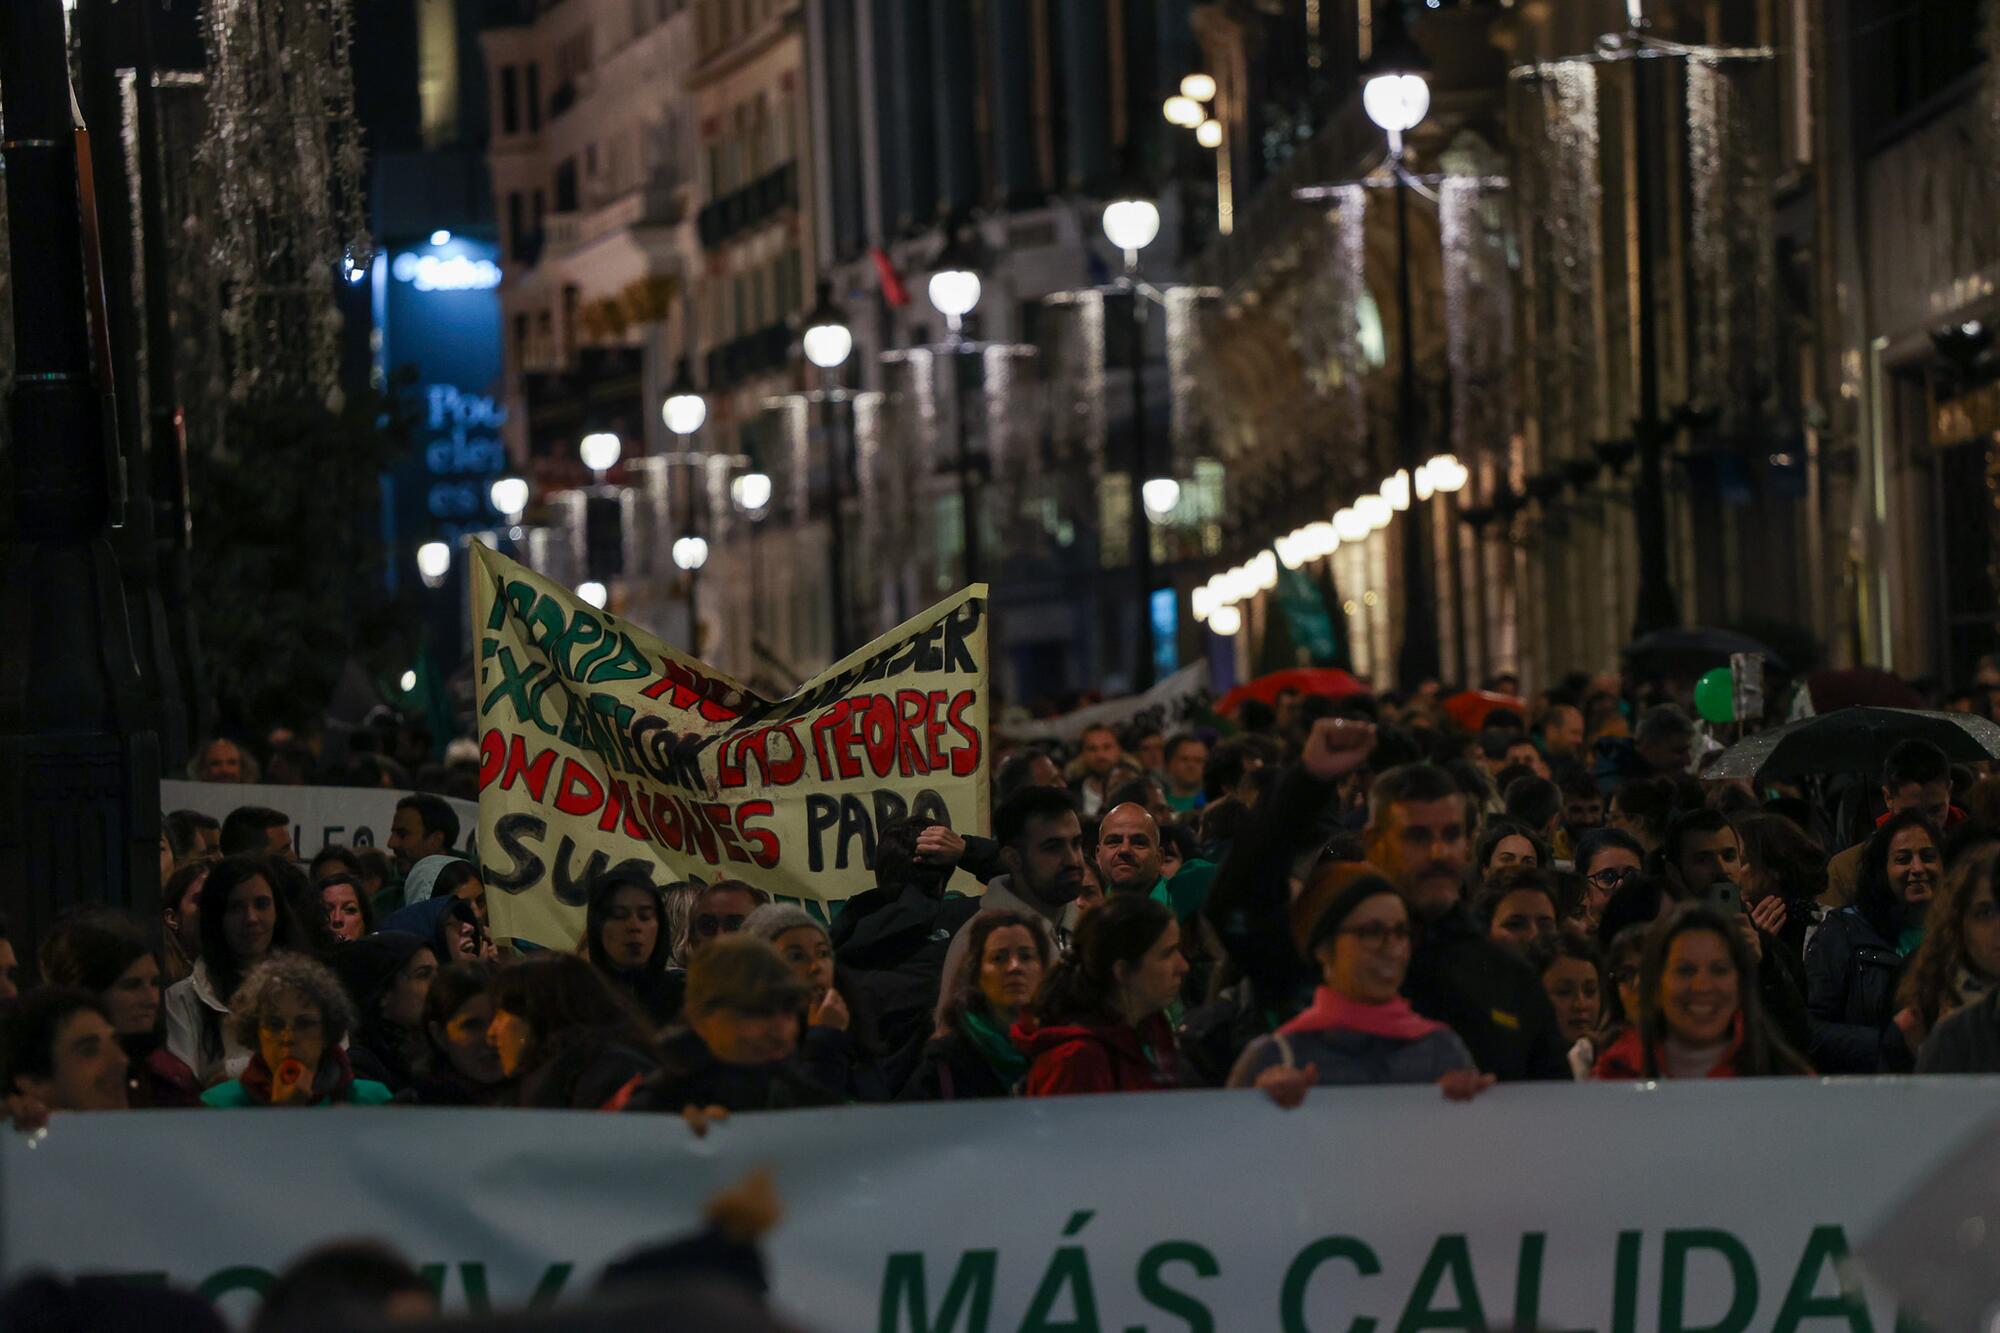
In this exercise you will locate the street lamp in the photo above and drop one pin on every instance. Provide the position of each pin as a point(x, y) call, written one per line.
point(1198, 87)
point(751, 492)
point(599, 451)
point(827, 339)
point(1209, 134)
point(593, 592)
point(691, 553)
point(509, 496)
point(1183, 111)
point(685, 411)
point(1396, 96)
point(954, 290)
point(1161, 494)
point(1131, 224)
point(433, 562)
point(827, 342)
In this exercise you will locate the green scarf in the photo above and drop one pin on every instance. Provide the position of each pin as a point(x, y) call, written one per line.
point(995, 1047)
point(1907, 942)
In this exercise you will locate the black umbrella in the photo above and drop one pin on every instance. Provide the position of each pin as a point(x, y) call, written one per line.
point(1855, 740)
point(1690, 652)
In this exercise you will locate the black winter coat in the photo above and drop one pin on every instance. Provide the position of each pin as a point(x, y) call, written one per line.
point(951, 1069)
point(690, 1076)
point(659, 994)
point(1968, 1042)
point(1851, 975)
point(891, 942)
point(583, 1069)
point(1488, 995)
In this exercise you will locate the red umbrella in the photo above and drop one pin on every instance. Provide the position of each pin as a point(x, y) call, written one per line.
point(1859, 687)
point(1469, 709)
point(1329, 681)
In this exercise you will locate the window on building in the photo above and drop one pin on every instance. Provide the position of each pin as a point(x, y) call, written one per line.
point(541, 209)
point(566, 186)
point(510, 100)
point(517, 226)
point(740, 291)
point(534, 98)
point(521, 351)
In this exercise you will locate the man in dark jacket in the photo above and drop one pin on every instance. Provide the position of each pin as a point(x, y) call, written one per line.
point(893, 938)
point(1418, 835)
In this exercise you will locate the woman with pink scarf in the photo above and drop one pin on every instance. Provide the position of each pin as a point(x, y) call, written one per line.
point(1359, 1029)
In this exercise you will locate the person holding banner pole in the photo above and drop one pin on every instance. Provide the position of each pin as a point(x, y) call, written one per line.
point(1100, 1024)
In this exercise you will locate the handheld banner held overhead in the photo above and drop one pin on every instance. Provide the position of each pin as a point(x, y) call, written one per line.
point(602, 750)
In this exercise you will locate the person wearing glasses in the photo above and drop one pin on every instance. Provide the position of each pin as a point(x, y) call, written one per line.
point(1606, 858)
point(293, 1014)
point(1352, 923)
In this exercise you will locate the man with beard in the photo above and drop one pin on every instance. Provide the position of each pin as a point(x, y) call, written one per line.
point(1041, 849)
point(1417, 834)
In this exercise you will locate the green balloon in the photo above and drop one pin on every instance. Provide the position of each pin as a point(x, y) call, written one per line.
point(1715, 695)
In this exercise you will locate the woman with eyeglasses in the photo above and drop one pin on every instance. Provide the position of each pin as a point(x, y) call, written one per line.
point(293, 1014)
point(1958, 963)
point(1606, 858)
point(1352, 924)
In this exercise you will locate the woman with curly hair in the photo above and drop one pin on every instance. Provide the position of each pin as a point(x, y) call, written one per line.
point(1959, 960)
point(293, 1014)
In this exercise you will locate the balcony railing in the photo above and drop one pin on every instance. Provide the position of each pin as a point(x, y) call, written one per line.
point(728, 217)
point(753, 354)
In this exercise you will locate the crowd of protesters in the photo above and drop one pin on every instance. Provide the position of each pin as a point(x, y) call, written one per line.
point(1337, 892)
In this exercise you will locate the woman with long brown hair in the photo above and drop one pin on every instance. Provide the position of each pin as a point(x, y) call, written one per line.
point(1959, 960)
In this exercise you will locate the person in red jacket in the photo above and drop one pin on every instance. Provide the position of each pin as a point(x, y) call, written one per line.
point(1100, 1023)
point(1699, 1013)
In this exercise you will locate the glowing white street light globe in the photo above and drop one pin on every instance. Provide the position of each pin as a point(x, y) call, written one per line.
point(441, 237)
point(590, 590)
point(1425, 486)
point(1131, 225)
point(409, 681)
point(1225, 620)
point(1161, 494)
point(1396, 102)
point(433, 560)
point(1209, 134)
point(1183, 111)
point(954, 291)
point(1447, 474)
point(1264, 569)
point(684, 413)
point(1203, 602)
point(1321, 540)
point(751, 491)
point(828, 345)
point(1374, 511)
point(1200, 87)
point(691, 553)
point(599, 451)
point(509, 495)
point(1396, 490)
point(1350, 526)
point(1290, 549)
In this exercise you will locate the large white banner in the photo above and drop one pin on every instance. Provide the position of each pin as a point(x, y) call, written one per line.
point(1620, 1208)
point(349, 816)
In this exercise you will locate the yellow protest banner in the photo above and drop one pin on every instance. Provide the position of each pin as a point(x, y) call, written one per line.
point(603, 750)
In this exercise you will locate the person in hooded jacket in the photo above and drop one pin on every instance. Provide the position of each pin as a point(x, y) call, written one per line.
point(1100, 1023)
point(892, 939)
point(1008, 953)
point(1352, 922)
point(565, 1036)
point(460, 1066)
point(388, 975)
point(108, 954)
point(738, 1048)
point(1856, 958)
point(447, 923)
point(839, 1048)
point(626, 938)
